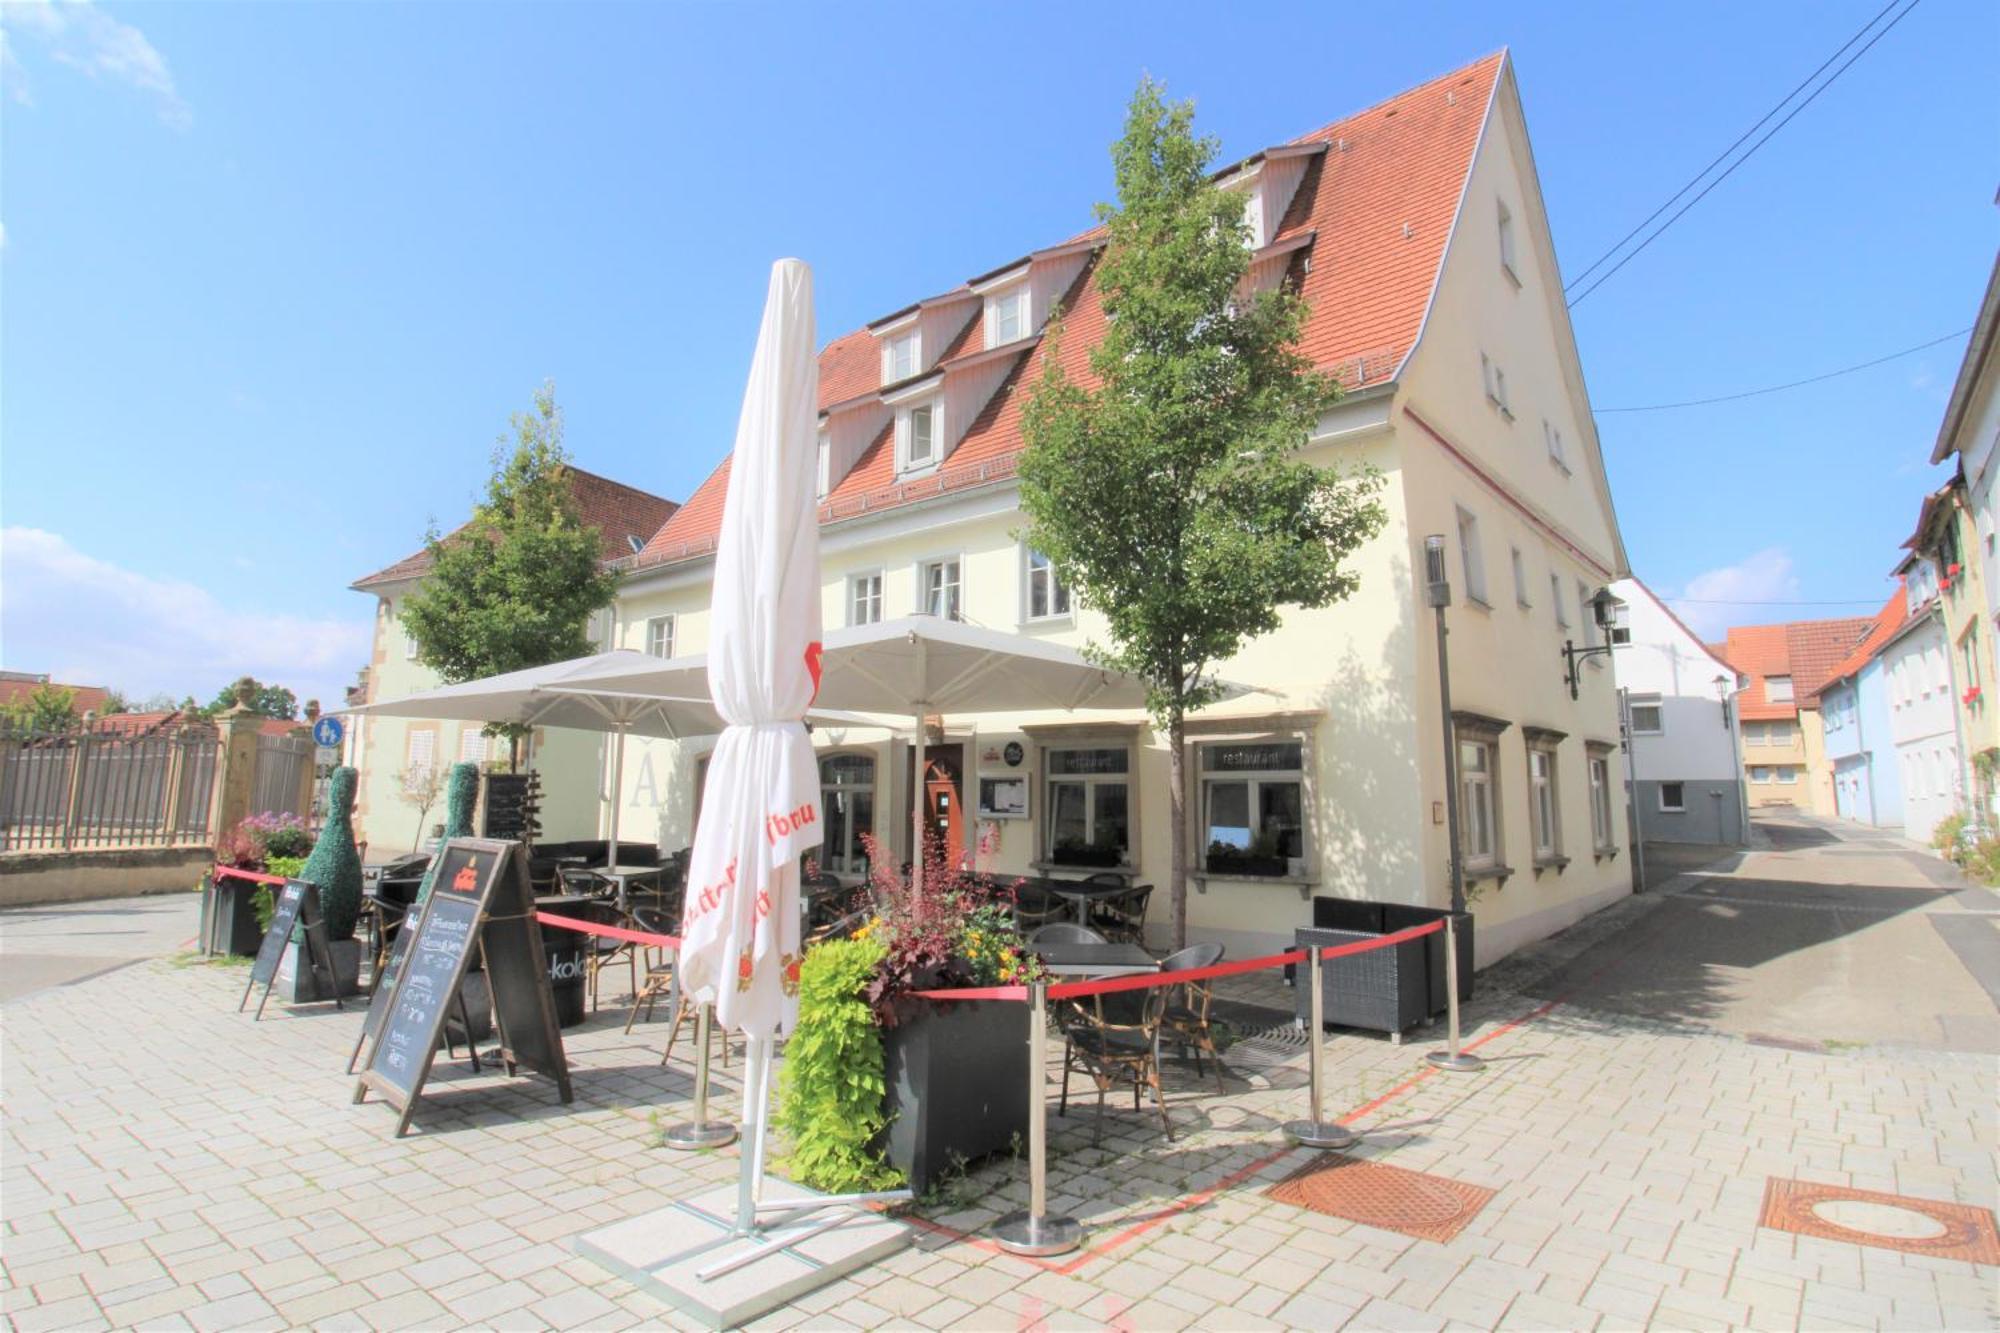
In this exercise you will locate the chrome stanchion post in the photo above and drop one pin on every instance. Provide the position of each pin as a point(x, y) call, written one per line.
point(1034, 1232)
point(1316, 1131)
point(701, 1132)
point(1452, 1058)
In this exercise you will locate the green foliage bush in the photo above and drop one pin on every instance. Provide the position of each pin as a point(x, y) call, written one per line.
point(831, 1088)
point(265, 899)
point(335, 865)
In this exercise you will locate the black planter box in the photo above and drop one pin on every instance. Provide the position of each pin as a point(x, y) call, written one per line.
point(229, 917)
point(1086, 856)
point(957, 1079)
point(1241, 863)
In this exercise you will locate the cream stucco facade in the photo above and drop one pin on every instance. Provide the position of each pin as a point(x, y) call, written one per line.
point(1350, 694)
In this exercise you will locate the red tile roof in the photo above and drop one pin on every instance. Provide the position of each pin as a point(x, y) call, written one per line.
point(19, 685)
point(1805, 650)
point(1379, 204)
point(619, 513)
point(1892, 617)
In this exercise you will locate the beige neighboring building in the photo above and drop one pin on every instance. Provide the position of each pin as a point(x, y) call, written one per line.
point(1781, 668)
point(1416, 232)
point(384, 749)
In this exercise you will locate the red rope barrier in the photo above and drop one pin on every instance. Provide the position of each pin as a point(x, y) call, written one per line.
point(256, 876)
point(609, 932)
point(1068, 990)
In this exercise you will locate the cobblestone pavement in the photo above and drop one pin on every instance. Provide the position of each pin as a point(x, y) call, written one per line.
point(170, 1164)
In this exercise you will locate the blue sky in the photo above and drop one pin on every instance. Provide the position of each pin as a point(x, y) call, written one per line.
point(274, 276)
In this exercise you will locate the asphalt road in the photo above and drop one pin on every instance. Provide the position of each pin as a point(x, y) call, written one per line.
point(63, 943)
point(1829, 936)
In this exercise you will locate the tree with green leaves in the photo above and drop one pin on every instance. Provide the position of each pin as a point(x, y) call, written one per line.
point(47, 707)
point(273, 701)
point(516, 586)
point(1169, 495)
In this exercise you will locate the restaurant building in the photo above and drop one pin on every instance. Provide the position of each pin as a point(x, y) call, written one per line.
point(1415, 230)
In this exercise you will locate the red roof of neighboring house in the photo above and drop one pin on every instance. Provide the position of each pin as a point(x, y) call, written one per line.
point(1378, 205)
point(619, 512)
point(1805, 650)
point(1892, 617)
point(20, 684)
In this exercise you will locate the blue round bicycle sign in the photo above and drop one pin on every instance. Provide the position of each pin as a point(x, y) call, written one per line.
point(327, 732)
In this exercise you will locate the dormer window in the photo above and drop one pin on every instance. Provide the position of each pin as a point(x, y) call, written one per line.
point(900, 358)
point(919, 436)
point(923, 443)
point(1007, 316)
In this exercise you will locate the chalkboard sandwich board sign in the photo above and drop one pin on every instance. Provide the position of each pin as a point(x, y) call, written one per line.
point(297, 906)
point(481, 900)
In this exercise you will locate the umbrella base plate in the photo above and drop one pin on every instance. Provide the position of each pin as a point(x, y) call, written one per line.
point(707, 1134)
point(1037, 1237)
point(1320, 1134)
point(663, 1252)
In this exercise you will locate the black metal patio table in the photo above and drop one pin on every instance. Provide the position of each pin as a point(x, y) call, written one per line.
point(1095, 960)
point(1082, 894)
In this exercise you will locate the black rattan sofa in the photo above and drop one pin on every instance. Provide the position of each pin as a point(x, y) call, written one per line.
point(1381, 990)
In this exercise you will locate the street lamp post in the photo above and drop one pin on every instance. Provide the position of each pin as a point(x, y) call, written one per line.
point(1437, 592)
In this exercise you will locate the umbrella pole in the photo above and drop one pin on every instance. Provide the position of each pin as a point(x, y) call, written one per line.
point(917, 785)
point(756, 1105)
point(617, 780)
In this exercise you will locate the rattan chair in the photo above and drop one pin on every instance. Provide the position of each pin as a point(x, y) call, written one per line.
point(1122, 916)
point(1117, 1043)
point(1185, 1022)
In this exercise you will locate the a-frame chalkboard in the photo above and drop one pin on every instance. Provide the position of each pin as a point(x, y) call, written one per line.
point(297, 905)
point(480, 899)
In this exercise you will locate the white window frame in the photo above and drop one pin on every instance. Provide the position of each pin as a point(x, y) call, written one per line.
point(1677, 809)
point(1552, 436)
point(906, 434)
point(1018, 297)
point(830, 860)
point(1788, 775)
point(1545, 802)
point(661, 631)
point(1484, 784)
point(957, 585)
point(409, 646)
point(411, 761)
point(1089, 783)
point(1599, 767)
point(1058, 590)
point(1653, 703)
point(474, 745)
point(1760, 774)
point(1471, 558)
point(1520, 578)
point(1556, 600)
point(893, 347)
point(1771, 694)
point(872, 594)
point(1254, 781)
point(824, 465)
point(1507, 243)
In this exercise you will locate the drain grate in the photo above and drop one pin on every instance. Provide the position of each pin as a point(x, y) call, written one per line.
point(1389, 1197)
point(1927, 1226)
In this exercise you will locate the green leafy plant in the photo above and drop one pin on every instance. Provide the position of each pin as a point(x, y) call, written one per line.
point(335, 865)
point(831, 1088)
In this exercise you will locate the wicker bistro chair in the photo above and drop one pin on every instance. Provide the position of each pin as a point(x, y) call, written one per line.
point(602, 951)
point(1123, 917)
point(1117, 1042)
point(1185, 1022)
point(663, 982)
point(1035, 906)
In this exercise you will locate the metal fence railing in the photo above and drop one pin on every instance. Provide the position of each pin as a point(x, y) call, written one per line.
point(280, 782)
point(80, 790)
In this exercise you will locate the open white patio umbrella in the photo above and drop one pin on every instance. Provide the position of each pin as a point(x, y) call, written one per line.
point(561, 695)
point(915, 666)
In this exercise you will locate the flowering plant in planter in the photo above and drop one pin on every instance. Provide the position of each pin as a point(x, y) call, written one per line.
point(958, 932)
point(1971, 696)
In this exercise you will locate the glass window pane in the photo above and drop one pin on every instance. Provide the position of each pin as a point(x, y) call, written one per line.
point(1089, 761)
point(1280, 816)
point(1271, 757)
point(1068, 825)
point(1228, 815)
point(1471, 757)
point(1111, 826)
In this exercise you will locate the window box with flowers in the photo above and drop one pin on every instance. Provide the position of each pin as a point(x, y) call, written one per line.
point(951, 1078)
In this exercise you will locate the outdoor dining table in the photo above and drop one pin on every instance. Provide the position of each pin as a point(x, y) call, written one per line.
point(1095, 960)
point(1082, 894)
point(625, 876)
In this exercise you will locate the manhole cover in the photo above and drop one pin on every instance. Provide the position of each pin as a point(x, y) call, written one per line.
point(1886, 1221)
point(1411, 1202)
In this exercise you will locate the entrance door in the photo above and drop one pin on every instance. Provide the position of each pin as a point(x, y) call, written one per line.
point(944, 798)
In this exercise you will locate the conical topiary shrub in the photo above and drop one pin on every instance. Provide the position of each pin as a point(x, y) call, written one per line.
point(334, 864)
point(461, 794)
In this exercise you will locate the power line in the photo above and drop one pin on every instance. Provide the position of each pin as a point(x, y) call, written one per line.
point(1721, 156)
point(1751, 151)
point(1795, 384)
point(1747, 601)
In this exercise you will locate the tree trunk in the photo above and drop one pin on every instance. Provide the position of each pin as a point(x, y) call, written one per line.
point(1177, 874)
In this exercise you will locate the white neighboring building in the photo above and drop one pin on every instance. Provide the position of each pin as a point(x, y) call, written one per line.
point(1686, 751)
point(1923, 723)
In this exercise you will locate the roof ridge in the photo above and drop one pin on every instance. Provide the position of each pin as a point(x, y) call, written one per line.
point(1500, 54)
